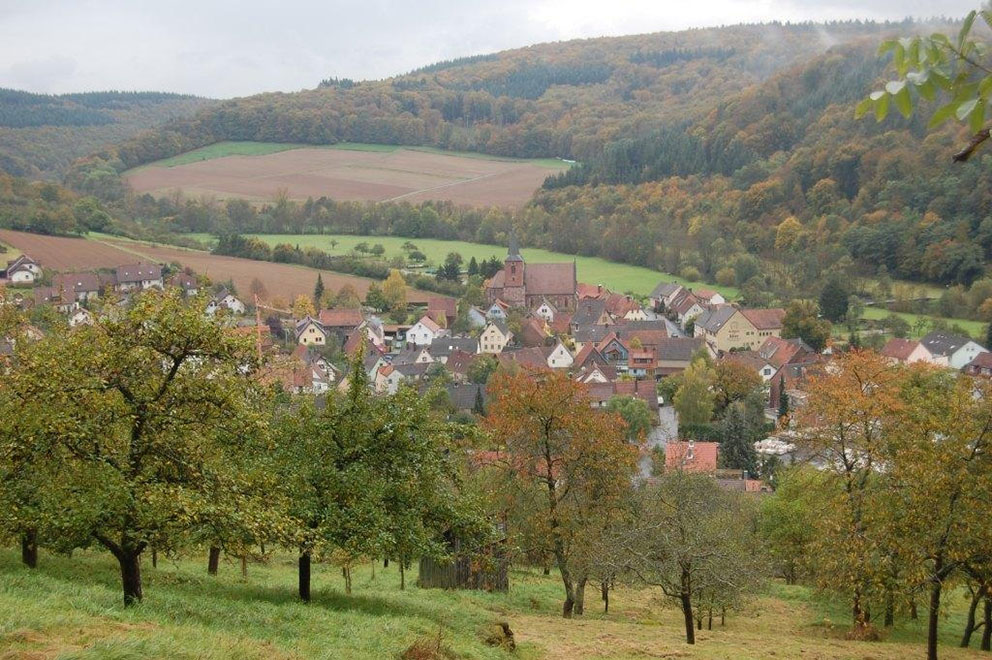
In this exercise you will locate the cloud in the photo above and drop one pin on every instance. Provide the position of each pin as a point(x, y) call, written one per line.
point(223, 48)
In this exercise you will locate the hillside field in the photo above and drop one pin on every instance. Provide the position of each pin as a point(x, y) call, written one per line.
point(283, 280)
point(591, 270)
point(258, 171)
point(71, 608)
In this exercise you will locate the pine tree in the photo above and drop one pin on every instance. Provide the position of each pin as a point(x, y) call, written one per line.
point(479, 407)
point(783, 398)
point(318, 291)
point(736, 450)
point(988, 335)
point(473, 267)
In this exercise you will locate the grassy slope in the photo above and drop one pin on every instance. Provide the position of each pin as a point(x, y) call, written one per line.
point(975, 328)
point(592, 270)
point(71, 608)
point(222, 149)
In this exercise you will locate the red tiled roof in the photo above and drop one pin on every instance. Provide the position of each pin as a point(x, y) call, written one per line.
point(341, 317)
point(899, 349)
point(445, 305)
point(549, 279)
point(703, 457)
point(429, 323)
point(532, 332)
point(526, 357)
point(765, 319)
point(590, 290)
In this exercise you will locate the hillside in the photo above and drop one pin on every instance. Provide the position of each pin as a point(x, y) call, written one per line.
point(41, 134)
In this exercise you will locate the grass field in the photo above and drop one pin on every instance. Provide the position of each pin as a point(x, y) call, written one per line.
point(591, 270)
point(71, 608)
point(974, 328)
point(258, 171)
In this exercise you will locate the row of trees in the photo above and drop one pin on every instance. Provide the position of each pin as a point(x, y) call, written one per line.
point(897, 511)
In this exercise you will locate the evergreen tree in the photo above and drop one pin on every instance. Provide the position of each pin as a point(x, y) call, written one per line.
point(783, 398)
point(736, 449)
point(479, 407)
point(473, 267)
point(834, 299)
point(318, 291)
point(988, 335)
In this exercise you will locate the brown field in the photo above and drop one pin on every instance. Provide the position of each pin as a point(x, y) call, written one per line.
point(343, 174)
point(283, 280)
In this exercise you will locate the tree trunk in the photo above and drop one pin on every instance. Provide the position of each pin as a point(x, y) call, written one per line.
point(154, 558)
point(566, 577)
point(29, 548)
point(709, 620)
point(547, 570)
point(857, 612)
point(385, 562)
point(969, 626)
point(580, 596)
point(933, 617)
point(213, 560)
point(913, 614)
point(131, 576)
point(605, 591)
point(244, 566)
point(690, 633)
point(699, 623)
point(347, 580)
point(402, 575)
point(304, 576)
point(890, 607)
point(987, 631)
point(723, 616)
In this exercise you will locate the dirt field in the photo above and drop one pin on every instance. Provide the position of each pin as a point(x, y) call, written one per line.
point(283, 280)
point(343, 174)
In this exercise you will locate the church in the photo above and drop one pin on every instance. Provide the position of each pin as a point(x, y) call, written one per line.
point(527, 285)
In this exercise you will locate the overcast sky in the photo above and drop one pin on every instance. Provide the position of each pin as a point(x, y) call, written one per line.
point(225, 48)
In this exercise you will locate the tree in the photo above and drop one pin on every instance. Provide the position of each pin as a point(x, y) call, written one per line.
point(257, 289)
point(347, 297)
point(384, 485)
point(733, 381)
point(802, 321)
point(834, 299)
point(394, 292)
point(695, 542)
point(783, 398)
point(635, 414)
point(936, 65)
point(451, 270)
point(303, 307)
point(694, 399)
point(143, 412)
point(566, 467)
point(737, 441)
point(377, 250)
point(786, 521)
point(318, 291)
point(473, 267)
point(375, 299)
point(481, 368)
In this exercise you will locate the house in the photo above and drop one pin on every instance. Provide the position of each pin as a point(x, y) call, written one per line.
point(458, 364)
point(526, 285)
point(83, 286)
point(413, 354)
point(591, 311)
point(663, 294)
point(225, 300)
point(698, 457)
point(686, 307)
point(752, 360)
point(497, 311)
point(589, 334)
point(310, 333)
point(777, 351)
point(595, 374)
point(951, 350)
point(533, 332)
point(709, 297)
point(615, 351)
point(80, 316)
point(442, 347)
point(494, 338)
point(531, 358)
point(445, 308)
point(674, 355)
point(980, 366)
point(619, 306)
point(601, 393)
point(62, 300)
point(424, 331)
point(546, 311)
point(23, 270)
point(188, 283)
point(340, 321)
point(558, 356)
point(589, 359)
point(641, 363)
point(138, 276)
point(727, 327)
point(467, 398)
point(906, 351)
point(477, 318)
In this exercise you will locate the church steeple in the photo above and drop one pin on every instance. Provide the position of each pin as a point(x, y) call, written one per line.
point(513, 254)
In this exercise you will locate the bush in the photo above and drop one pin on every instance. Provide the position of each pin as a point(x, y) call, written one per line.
point(726, 276)
point(691, 273)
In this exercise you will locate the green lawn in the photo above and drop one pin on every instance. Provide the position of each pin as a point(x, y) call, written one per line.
point(591, 270)
point(974, 328)
point(71, 608)
point(222, 149)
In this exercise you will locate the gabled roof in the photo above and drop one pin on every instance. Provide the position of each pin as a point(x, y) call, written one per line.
point(532, 332)
point(777, 351)
point(980, 361)
point(705, 294)
point(20, 262)
point(943, 343)
point(134, 273)
point(586, 334)
point(588, 312)
point(459, 361)
point(765, 319)
point(665, 289)
point(184, 281)
point(305, 321)
point(684, 302)
point(429, 323)
point(550, 279)
point(499, 325)
point(609, 339)
point(463, 396)
point(545, 301)
point(532, 358)
point(712, 320)
point(678, 349)
point(78, 282)
point(445, 346)
point(692, 456)
point(590, 290)
point(446, 305)
point(341, 317)
point(899, 349)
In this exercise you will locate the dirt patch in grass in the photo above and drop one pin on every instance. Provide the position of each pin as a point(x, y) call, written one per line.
point(44, 644)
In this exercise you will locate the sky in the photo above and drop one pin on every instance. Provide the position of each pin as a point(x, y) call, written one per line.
point(225, 48)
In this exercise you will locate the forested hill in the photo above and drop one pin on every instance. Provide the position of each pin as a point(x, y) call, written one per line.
point(566, 99)
point(41, 134)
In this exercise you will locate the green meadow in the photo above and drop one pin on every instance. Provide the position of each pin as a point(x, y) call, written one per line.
point(71, 608)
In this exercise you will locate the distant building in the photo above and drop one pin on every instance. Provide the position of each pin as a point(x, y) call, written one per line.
point(523, 285)
point(952, 350)
point(23, 270)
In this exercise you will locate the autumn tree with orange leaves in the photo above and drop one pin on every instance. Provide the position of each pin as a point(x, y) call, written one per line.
point(566, 466)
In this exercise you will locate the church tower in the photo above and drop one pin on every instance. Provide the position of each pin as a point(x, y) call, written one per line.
point(514, 289)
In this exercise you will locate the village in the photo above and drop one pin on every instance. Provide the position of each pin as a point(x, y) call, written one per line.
point(534, 316)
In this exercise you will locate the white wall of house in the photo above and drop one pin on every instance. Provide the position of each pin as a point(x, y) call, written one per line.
point(964, 355)
point(22, 276)
point(420, 334)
